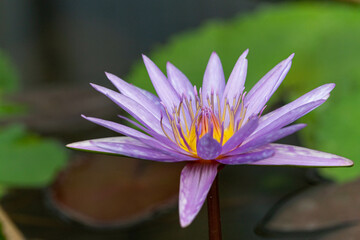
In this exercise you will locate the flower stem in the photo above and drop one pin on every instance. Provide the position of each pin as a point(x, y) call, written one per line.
point(214, 212)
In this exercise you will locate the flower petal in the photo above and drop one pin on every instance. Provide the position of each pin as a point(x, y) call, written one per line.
point(271, 136)
point(137, 95)
point(298, 156)
point(240, 135)
point(207, 147)
point(214, 80)
point(195, 182)
point(158, 137)
point(180, 82)
point(124, 146)
point(263, 90)
point(88, 146)
point(184, 88)
point(320, 93)
point(246, 158)
point(287, 118)
point(117, 127)
point(163, 87)
point(235, 84)
point(130, 132)
point(156, 101)
point(133, 108)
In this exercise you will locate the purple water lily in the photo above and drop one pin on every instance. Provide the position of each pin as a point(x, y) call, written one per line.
point(219, 124)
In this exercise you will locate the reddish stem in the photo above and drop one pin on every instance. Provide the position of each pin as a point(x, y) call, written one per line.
point(214, 212)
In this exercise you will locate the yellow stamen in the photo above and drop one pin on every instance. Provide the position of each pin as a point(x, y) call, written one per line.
point(185, 121)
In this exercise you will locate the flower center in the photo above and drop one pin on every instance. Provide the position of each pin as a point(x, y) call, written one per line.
point(193, 118)
point(208, 122)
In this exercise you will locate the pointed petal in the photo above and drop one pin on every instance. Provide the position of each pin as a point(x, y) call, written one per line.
point(263, 90)
point(156, 101)
point(88, 146)
point(240, 135)
point(298, 156)
point(158, 137)
point(267, 138)
point(235, 84)
point(246, 158)
point(130, 132)
point(320, 93)
point(165, 91)
point(287, 118)
point(136, 151)
point(137, 95)
point(195, 182)
point(183, 87)
point(180, 82)
point(117, 127)
point(207, 147)
point(124, 146)
point(133, 108)
point(214, 80)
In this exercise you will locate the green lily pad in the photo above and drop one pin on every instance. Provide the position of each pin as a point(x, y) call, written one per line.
point(324, 36)
point(27, 160)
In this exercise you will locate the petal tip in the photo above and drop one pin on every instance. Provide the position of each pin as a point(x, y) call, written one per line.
point(332, 86)
point(245, 53)
point(94, 85)
point(291, 56)
point(348, 163)
point(184, 222)
point(109, 75)
point(214, 55)
point(145, 59)
point(169, 66)
point(68, 145)
point(72, 145)
point(98, 88)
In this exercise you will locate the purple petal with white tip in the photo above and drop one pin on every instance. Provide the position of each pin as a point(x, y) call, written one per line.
point(195, 182)
point(163, 87)
point(247, 157)
point(235, 84)
point(263, 90)
point(207, 147)
point(287, 118)
point(88, 146)
point(136, 151)
point(124, 146)
point(214, 80)
point(320, 93)
point(298, 156)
